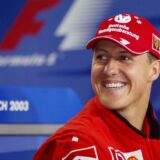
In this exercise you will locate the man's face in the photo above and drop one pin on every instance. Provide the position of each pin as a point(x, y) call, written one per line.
point(119, 78)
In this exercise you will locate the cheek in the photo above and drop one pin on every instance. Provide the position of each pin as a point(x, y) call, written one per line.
point(96, 72)
point(137, 76)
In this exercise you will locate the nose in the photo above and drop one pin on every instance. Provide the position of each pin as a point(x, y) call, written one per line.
point(111, 68)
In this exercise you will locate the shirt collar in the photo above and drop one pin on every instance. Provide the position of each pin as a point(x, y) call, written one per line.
point(151, 126)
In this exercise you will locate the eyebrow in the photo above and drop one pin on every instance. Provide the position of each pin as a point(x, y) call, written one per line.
point(104, 50)
point(100, 49)
point(125, 51)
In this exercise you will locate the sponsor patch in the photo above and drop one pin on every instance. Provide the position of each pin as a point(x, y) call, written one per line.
point(119, 28)
point(122, 18)
point(124, 41)
point(88, 153)
point(118, 155)
point(155, 43)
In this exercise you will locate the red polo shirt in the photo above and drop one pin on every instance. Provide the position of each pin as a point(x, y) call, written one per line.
point(97, 133)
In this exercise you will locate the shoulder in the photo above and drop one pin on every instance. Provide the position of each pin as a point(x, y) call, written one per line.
point(86, 119)
point(77, 137)
point(66, 145)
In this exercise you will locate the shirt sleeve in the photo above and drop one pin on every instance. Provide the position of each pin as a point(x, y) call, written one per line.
point(68, 148)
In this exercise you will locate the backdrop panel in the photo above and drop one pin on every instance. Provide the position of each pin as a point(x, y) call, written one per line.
point(45, 68)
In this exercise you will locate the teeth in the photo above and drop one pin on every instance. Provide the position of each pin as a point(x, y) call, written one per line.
point(114, 85)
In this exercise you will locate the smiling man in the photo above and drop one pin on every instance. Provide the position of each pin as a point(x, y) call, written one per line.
point(123, 81)
point(119, 122)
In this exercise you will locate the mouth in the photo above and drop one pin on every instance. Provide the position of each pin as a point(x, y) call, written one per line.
point(115, 85)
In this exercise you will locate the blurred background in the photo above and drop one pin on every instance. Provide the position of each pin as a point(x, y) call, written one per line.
point(45, 68)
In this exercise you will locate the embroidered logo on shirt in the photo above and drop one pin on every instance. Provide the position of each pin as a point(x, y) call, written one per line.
point(118, 155)
point(89, 153)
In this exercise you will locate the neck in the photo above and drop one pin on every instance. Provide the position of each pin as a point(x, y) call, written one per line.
point(135, 113)
point(135, 118)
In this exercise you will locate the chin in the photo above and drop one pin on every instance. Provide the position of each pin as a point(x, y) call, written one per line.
point(112, 104)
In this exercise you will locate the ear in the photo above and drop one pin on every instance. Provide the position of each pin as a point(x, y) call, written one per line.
point(155, 70)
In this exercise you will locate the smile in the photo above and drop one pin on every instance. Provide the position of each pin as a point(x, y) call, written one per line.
point(114, 85)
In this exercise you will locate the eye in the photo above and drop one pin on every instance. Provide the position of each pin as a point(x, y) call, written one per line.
point(101, 57)
point(125, 57)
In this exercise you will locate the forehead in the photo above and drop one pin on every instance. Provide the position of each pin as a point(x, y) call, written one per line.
point(109, 44)
point(114, 49)
point(111, 48)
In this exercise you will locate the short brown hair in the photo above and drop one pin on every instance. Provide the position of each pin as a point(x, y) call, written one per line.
point(151, 57)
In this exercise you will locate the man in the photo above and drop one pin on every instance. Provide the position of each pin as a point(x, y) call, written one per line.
point(119, 122)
